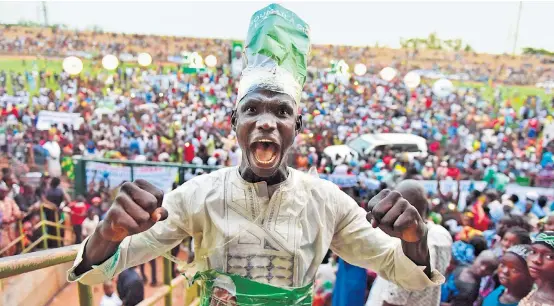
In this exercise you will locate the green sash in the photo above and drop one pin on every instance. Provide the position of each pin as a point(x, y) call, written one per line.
point(249, 292)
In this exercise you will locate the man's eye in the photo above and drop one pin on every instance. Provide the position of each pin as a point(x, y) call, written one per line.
point(284, 112)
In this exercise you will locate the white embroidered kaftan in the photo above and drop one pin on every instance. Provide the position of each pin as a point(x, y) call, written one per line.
point(280, 240)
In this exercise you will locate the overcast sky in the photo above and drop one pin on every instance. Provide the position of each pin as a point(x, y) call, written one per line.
point(486, 26)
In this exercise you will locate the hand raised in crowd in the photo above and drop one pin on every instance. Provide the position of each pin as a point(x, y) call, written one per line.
point(395, 216)
point(137, 207)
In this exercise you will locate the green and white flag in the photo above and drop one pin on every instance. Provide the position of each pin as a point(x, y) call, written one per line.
point(276, 53)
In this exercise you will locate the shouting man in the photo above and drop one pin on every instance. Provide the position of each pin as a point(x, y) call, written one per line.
point(261, 229)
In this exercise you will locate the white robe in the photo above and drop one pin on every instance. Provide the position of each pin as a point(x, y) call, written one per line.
point(279, 240)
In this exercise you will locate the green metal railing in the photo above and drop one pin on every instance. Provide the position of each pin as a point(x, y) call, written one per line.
point(80, 164)
point(42, 224)
point(19, 264)
point(28, 262)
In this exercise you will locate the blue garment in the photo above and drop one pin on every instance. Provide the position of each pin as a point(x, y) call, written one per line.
point(493, 299)
point(463, 253)
point(546, 159)
point(489, 236)
point(350, 285)
point(449, 289)
point(535, 209)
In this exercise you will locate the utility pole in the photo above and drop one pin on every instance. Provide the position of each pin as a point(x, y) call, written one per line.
point(45, 13)
point(517, 27)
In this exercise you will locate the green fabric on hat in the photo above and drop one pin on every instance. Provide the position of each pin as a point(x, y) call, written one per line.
point(546, 238)
point(276, 52)
point(282, 36)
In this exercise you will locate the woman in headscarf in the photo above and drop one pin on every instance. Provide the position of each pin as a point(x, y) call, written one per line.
point(541, 268)
point(515, 280)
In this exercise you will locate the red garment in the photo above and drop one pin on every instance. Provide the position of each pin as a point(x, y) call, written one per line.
point(78, 213)
point(189, 153)
point(453, 172)
point(387, 159)
point(434, 147)
point(428, 102)
point(480, 220)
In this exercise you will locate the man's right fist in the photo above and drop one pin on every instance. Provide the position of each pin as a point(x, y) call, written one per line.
point(137, 207)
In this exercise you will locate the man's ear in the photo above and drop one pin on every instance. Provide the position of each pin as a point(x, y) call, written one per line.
point(298, 123)
point(234, 120)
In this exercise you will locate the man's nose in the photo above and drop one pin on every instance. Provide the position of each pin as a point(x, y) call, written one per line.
point(266, 122)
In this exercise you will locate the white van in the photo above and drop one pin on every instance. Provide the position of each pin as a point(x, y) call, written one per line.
point(367, 144)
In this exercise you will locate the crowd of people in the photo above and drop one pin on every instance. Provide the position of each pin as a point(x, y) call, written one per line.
point(491, 254)
point(61, 42)
point(500, 245)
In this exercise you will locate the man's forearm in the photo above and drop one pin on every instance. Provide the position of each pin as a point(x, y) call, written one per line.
point(418, 252)
point(97, 250)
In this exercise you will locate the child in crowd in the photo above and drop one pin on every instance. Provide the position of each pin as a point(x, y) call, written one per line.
point(541, 268)
point(513, 236)
point(110, 298)
point(462, 286)
point(514, 277)
point(90, 223)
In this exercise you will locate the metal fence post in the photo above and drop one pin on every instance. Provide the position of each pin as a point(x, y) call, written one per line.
point(132, 173)
point(85, 295)
point(44, 231)
point(21, 234)
point(58, 231)
point(167, 280)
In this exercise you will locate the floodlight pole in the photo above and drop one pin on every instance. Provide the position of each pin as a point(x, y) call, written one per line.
point(517, 27)
point(45, 13)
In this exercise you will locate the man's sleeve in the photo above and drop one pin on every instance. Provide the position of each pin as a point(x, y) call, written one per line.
point(357, 242)
point(143, 247)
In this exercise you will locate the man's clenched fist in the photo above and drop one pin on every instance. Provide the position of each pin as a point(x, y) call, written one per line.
point(137, 207)
point(395, 216)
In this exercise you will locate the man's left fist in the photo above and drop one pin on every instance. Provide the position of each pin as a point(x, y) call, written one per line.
point(395, 216)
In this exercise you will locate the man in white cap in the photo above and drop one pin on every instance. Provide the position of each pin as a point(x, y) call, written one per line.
point(530, 209)
point(261, 229)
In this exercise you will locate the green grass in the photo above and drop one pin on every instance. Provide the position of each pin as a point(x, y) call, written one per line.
point(92, 68)
point(516, 94)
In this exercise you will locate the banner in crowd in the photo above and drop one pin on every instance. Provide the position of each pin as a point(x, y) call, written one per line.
point(113, 175)
point(127, 57)
point(47, 118)
point(80, 54)
point(346, 181)
point(105, 106)
point(343, 181)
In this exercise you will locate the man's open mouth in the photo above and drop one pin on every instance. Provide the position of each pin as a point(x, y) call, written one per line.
point(265, 151)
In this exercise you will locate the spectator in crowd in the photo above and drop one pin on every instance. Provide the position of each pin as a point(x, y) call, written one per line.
point(10, 213)
point(514, 236)
point(440, 243)
point(55, 196)
point(90, 223)
point(110, 298)
point(130, 287)
point(462, 286)
point(514, 277)
point(78, 210)
point(541, 268)
point(154, 280)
